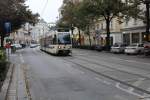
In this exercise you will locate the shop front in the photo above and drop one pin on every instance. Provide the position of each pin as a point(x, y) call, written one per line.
point(134, 35)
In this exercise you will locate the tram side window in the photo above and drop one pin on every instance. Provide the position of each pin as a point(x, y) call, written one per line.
point(55, 39)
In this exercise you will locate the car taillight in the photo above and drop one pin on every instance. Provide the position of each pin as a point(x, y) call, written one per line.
point(146, 47)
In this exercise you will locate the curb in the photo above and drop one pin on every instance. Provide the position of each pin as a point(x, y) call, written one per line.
point(6, 84)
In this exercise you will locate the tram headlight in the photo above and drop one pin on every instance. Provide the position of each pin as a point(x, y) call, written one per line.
point(69, 47)
point(59, 47)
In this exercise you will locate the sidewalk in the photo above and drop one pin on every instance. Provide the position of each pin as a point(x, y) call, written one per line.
point(17, 89)
point(16, 86)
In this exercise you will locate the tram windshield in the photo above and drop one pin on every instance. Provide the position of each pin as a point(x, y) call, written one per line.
point(64, 38)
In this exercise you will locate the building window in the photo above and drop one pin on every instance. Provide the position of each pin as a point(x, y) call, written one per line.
point(97, 26)
point(135, 21)
point(102, 26)
point(135, 38)
point(126, 38)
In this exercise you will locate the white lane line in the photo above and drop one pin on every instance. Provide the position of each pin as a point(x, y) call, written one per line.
point(21, 58)
point(103, 81)
point(146, 96)
point(128, 91)
point(136, 83)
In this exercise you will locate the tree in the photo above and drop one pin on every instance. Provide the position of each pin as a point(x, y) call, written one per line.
point(109, 9)
point(17, 13)
point(74, 15)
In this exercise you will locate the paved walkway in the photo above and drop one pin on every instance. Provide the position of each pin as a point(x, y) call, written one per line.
point(17, 89)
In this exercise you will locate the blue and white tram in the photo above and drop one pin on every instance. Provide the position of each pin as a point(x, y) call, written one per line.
point(57, 42)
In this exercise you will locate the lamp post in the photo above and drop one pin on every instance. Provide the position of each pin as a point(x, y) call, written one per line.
point(147, 2)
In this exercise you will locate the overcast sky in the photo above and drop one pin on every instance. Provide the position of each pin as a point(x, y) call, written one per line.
point(48, 9)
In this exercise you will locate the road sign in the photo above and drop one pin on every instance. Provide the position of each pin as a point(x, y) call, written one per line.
point(7, 27)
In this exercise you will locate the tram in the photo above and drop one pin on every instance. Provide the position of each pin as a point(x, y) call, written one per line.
point(57, 42)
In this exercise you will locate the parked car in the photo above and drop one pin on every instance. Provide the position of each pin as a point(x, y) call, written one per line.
point(17, 46)
point(33, 45)
point(23, 45)
point(99, 47)
point(135, 48)
point(118, 48)
point(147, 48)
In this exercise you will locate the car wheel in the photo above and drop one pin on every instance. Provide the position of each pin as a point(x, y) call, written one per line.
point(139, 52)
point(146, 53)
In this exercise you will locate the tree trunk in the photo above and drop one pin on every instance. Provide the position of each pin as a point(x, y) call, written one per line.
point(2, 40)
point(89, 36)
point(79, 37)
point(108, 34)
point(72, 37)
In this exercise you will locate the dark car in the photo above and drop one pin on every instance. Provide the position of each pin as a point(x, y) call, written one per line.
point(147, 48)
point(23, 45)
point(99, 47)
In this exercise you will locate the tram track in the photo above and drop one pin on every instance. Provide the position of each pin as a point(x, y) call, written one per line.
point(115, 69)
point(110, 77)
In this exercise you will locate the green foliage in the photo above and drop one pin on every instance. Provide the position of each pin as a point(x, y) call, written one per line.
point(3, 66)
point(2, 56)
point(16, 12)
point(82, 15)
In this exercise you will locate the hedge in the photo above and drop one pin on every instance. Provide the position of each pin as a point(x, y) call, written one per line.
point(3, 66)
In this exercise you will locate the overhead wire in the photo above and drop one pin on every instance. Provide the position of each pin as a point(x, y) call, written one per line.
point(43, 10)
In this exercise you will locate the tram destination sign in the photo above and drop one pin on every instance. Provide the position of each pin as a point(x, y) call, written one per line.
point(63, 30)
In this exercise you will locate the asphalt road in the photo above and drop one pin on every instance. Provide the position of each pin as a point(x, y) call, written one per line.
point(86, 75)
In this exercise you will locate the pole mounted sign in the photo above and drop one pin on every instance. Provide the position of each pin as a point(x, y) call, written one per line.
point(7, 28)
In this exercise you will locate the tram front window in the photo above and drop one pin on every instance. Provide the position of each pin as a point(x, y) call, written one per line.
point(64, 39)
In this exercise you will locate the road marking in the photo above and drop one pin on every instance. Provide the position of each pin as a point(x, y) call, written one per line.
point(146, 96)
point(103, 81)
point(140, 80)
point(21, 58)
point(128, 91)
point(136, 83)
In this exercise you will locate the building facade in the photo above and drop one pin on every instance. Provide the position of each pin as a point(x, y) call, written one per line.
point(40, 29)
point(134, 30)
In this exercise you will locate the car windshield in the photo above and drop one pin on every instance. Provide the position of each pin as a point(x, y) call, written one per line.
point(64, 38)
point(116, 45)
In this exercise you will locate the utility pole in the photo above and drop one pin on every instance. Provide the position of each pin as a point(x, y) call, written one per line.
point(147, 2)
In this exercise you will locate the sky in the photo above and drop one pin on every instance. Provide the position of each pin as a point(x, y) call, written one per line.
point(48, 9)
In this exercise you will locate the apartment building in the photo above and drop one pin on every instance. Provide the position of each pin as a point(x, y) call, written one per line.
point(98, 32)
point(134, 30)
point(22, 35)
point(40, 29)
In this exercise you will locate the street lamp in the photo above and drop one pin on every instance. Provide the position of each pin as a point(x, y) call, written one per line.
point(147, 2)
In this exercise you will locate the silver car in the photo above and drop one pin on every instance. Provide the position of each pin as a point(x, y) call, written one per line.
point(135, 48)
point(118, 48)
